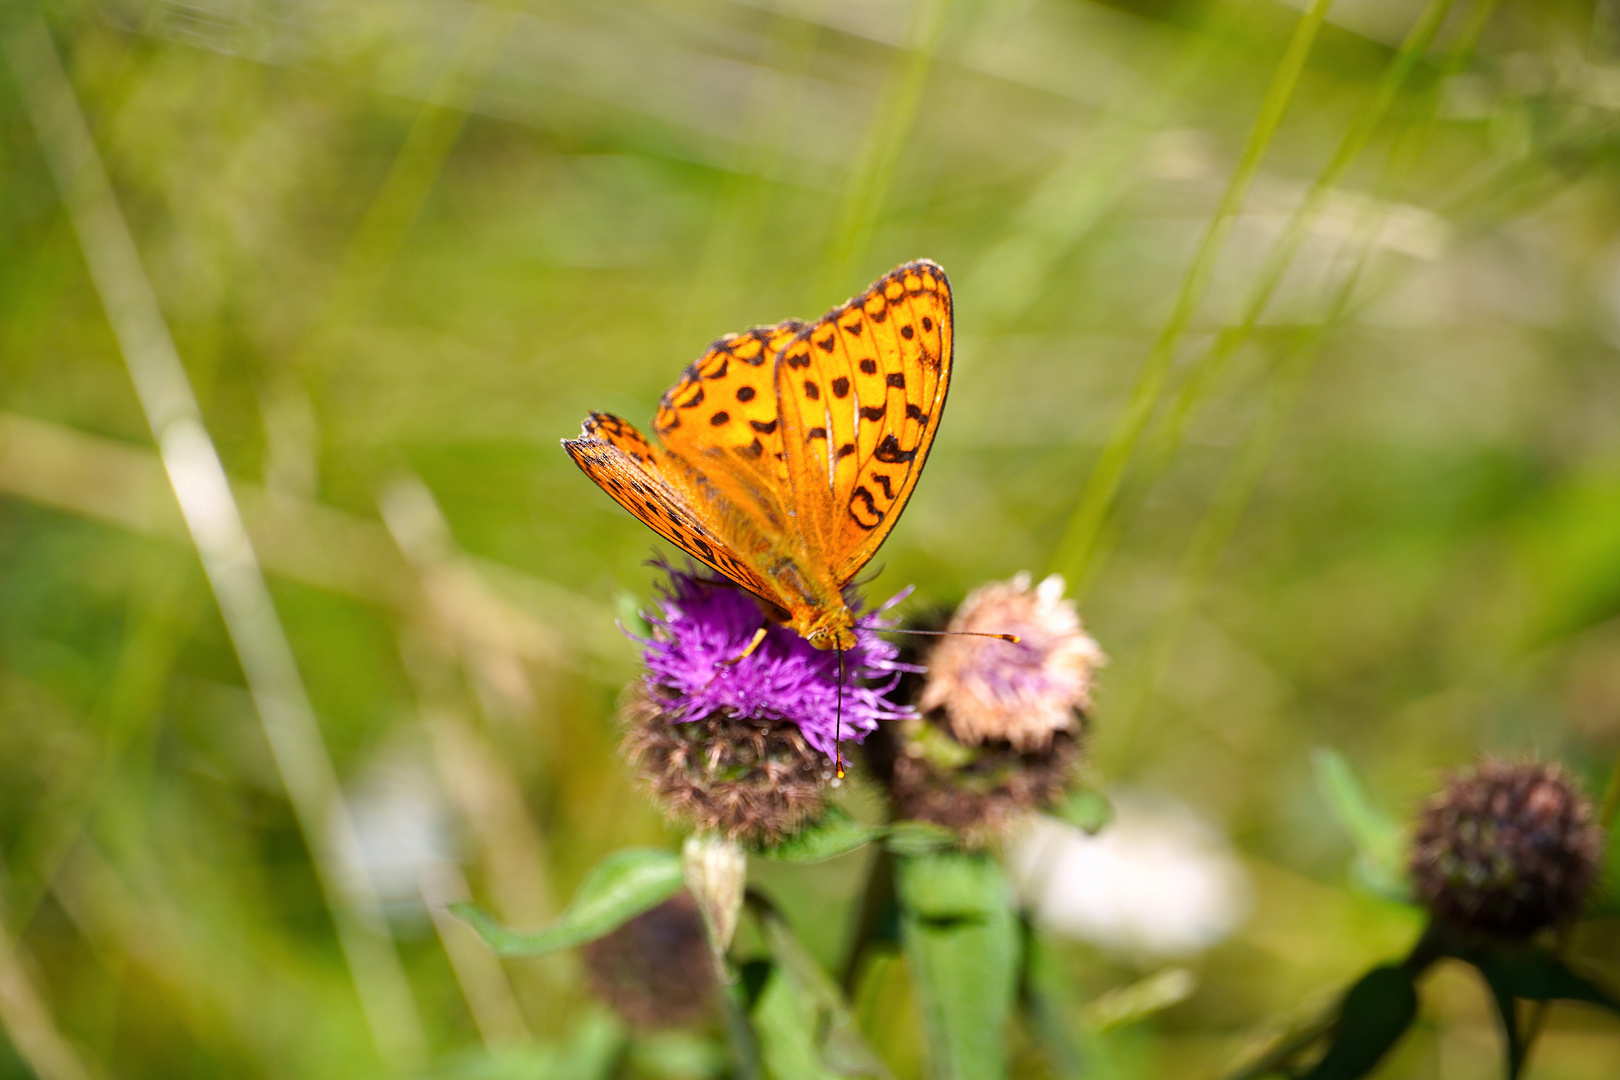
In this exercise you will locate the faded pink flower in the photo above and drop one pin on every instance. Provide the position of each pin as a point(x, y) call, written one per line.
point(1020, 693)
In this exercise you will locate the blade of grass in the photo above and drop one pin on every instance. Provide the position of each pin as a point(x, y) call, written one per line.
point(874, 170)
point(214, 521)
point(1075, 550)
point(1207, 369)
point(1284, 383)
point(1077, 193)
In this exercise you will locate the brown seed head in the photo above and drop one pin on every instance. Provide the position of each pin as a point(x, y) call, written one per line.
point(1506, 850)
point(978, 791)
point(751, 780)
point(654, 970)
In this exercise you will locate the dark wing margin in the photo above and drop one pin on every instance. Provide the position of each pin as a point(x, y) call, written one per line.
point(620, 460)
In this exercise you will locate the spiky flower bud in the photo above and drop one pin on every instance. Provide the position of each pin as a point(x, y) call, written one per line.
point(1506, 850)
point(654, 970)
point(744, 747)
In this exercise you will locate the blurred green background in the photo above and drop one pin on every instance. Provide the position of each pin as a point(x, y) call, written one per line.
point(1321, 417)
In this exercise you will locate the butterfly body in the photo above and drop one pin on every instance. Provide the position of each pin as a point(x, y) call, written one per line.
point(789, 451)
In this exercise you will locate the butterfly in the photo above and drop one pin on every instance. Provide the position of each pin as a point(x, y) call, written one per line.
point(788, 452)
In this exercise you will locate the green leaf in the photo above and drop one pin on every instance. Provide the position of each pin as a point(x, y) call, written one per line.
point(961, 943)
point(1379, 842)
point(919, 838)
point(807, 1030)
point(621, 887)
point(1514, 975)
point(1086, 809)
point(1537, 975)
point(1376, 1012)
point(836, 833)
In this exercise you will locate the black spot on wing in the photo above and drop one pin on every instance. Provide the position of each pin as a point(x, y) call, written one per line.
point(861, 503)
point(890, 453)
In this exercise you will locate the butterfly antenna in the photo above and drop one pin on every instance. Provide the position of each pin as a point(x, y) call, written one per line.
point(838, 732)
point(1014, 638)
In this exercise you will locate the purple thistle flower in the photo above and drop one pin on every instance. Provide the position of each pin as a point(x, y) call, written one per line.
point(699, 624)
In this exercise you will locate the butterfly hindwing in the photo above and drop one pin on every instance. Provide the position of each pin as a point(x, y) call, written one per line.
point(860, 393)
point(629, 468)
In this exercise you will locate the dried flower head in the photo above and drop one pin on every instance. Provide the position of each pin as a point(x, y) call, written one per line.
point(978, 791)
point(1023, 693)
point(654, 970)
point(1506, 850)
point(745, 748)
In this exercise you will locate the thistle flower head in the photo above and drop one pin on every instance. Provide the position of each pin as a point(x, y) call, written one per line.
point(654, 970)
point(1019, 693)
point(702, 626)
point(1506, 850)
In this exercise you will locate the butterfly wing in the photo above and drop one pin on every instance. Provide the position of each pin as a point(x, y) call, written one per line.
point(860, 394)
point(719, 422)
point(629, 468)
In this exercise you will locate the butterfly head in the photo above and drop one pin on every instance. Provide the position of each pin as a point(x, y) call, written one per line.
point(832, 628)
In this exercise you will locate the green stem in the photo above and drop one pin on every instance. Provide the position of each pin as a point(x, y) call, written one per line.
point(1207, 370)
point(1074, 552)
point(874, 170)
point(1288, 375)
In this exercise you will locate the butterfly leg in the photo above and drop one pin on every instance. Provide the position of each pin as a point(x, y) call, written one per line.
point(759, 636)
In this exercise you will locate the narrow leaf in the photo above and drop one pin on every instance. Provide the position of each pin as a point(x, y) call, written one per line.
point(806, 1027)
point(621, 887)
point(836, 833)
point(1376, 1012)
point(961, 943)
point(1377, 837)
point(1538, 976)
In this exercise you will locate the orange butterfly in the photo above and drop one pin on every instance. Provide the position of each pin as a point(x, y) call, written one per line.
point(789, 451)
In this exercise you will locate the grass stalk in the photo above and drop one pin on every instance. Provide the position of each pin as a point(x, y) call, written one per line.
point(1075, 550)
point(220, 538)
point(1286, 380)
point(879, 159)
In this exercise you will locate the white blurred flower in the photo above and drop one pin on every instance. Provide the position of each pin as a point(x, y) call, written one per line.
point(404, 831)
point(1158, 881)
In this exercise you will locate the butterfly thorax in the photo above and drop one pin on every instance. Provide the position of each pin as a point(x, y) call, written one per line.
point(826, 628)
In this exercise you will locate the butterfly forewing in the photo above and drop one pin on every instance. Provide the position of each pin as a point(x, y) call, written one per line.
point(861, 391)
point(625, 465)
point(720, 422)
